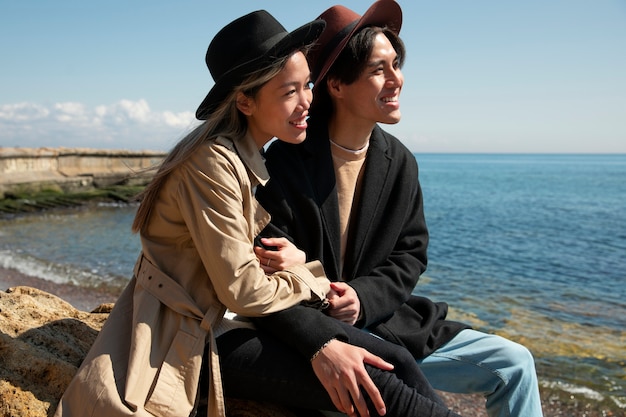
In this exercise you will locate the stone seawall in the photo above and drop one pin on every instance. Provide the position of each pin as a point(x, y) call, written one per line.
point(72, 169)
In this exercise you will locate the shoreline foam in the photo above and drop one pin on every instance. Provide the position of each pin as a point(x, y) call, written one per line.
point(82, 298)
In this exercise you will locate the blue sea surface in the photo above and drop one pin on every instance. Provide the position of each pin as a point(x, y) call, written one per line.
point(532, 247)
point(537, 229)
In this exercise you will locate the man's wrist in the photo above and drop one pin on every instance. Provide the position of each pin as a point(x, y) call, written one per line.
point(317, 352)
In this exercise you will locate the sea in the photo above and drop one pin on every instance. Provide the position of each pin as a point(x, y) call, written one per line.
point(528, 246)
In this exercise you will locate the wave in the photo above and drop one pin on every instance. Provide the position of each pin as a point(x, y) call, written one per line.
point(57, 273)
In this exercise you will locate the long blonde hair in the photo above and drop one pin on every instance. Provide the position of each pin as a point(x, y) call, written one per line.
point(225, 120)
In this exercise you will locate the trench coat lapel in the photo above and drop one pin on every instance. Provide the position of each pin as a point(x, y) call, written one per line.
point(373, 189)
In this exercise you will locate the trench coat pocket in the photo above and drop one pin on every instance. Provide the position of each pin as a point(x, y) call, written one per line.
point(178, 377)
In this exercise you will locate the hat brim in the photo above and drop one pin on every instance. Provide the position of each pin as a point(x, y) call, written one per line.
point(298, 38)
point(381, 13)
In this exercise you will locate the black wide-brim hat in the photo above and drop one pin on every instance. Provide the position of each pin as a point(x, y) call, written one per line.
point(341, 25)
point(248, 44)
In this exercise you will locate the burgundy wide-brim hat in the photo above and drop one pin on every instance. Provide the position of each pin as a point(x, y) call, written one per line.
point(248, 44)
point(341, 24)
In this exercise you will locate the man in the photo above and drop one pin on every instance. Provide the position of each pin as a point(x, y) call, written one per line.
point(350, 196)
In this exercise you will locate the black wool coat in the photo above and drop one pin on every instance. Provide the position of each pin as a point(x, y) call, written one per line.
point(387, 241)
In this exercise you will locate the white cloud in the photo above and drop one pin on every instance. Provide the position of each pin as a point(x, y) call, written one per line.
point(70, 112)
point(125, 124)
point(22, 112)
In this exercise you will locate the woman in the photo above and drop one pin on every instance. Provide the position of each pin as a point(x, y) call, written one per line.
point(197, 221)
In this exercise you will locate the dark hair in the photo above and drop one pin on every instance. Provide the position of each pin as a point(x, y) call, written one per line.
point(351, 63)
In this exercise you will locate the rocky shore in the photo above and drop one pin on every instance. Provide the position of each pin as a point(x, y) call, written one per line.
point(46, 329)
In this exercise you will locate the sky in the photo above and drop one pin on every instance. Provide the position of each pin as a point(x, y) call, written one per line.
point(481, 76)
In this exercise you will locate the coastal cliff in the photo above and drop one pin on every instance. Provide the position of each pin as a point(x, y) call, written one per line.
point(72, 169)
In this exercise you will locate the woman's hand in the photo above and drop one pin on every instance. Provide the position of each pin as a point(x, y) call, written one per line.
point(340, 368)
point(283, 255)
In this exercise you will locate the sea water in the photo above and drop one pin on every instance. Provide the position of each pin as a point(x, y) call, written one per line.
point(531, 247)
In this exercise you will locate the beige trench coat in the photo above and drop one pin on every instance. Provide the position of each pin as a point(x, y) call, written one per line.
point(197, 261)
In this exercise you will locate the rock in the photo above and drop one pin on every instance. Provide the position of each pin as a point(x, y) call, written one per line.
point(44, 339)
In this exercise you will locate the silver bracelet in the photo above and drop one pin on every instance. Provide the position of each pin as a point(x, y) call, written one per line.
point(320, 349)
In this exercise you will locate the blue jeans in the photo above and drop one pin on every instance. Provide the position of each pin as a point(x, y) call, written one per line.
point(502, 370)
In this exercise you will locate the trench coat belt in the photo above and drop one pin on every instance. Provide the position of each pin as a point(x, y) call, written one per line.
point(174, 296)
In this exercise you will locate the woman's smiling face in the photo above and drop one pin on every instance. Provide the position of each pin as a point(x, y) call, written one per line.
point(281, 107)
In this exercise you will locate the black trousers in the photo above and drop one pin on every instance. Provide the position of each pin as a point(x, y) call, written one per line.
point(256, 366)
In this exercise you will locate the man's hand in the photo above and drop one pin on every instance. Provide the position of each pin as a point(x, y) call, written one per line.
point(345, 305)
point(340, 368)
point(282, 255)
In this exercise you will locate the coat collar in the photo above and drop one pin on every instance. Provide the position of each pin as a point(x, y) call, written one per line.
point(375, 181)
point(251, 156)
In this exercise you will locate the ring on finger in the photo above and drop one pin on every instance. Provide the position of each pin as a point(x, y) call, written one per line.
point(268, 262)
